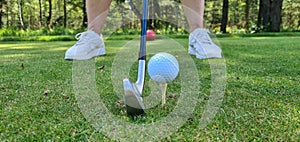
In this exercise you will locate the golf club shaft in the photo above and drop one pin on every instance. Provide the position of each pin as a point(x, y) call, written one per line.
point(142, 54)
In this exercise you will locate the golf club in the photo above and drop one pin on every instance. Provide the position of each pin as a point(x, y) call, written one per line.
point(133, 91)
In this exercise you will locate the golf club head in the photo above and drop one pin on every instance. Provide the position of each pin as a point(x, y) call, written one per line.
point(133, 99)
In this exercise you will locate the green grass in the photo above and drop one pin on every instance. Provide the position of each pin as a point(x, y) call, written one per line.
point(261, 102)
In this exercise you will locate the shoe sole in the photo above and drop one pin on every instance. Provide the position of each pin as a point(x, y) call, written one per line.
point(193, 51)
point(92, 54)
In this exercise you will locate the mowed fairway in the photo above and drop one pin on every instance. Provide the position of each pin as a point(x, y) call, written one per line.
point(261, 101)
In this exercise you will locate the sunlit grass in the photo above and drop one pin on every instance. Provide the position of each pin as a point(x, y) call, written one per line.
point(261, 100)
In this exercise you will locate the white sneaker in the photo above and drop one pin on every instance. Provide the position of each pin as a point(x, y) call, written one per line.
point(201, 45)
point(89, 45)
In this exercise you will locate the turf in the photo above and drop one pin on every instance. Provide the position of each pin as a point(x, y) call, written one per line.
point(261, 102)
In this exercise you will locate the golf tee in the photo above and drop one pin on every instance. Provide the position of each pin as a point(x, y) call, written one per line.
point(163, 91)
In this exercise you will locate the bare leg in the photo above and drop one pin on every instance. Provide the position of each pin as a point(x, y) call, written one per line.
point(200, 43)
point(194, 12)
point(97, 11)
point(90, 43)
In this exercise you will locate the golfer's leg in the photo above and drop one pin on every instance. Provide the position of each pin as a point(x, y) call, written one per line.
point(200, 43)
point(97, 11)
point(194, 12)
point(90, 43)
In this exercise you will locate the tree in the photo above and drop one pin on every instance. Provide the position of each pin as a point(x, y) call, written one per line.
point(260, 13)
point(49, 18)
point(247, 15)
point(266, 4)
point(84, 13)
point(1, 12)
point(275, 15)
point(40, 14)
point(65, 13)
point(21, 13)
point(224, 16)
point(134, 9)
point(270, 12)
point(157, 12)
point(7, 14)
point(269, 15)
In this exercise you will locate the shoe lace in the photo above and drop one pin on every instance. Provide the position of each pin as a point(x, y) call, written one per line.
point(81, 37)
point(203, 38)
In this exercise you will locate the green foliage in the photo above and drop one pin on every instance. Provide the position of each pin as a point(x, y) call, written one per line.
point(39, 32)
point(290, 15)
point(37, 38)
point(68, 35)
point(121, 9)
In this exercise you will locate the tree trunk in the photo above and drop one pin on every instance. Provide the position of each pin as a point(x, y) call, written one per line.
point(276, 8)
point(176, 17)
point(122, 9)
point(65, 13)
point(40, 14)
point(157, 13)
point(29, 17)
point(247, 16)
point(266, 5)
point(271, 14)
point(224, 16)
point(49, 18)
point(135, 10)
point(260, 15)
point(21, 15)
point(151, 15)
point(85, 19)
point(1, 12)
point(156, 8)
point(7, 13)
point(213, 21)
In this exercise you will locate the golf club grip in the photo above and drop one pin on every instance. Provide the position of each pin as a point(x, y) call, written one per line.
point(142, 54)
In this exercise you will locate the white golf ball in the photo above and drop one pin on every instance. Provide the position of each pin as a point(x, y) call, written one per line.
point(163, 67)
